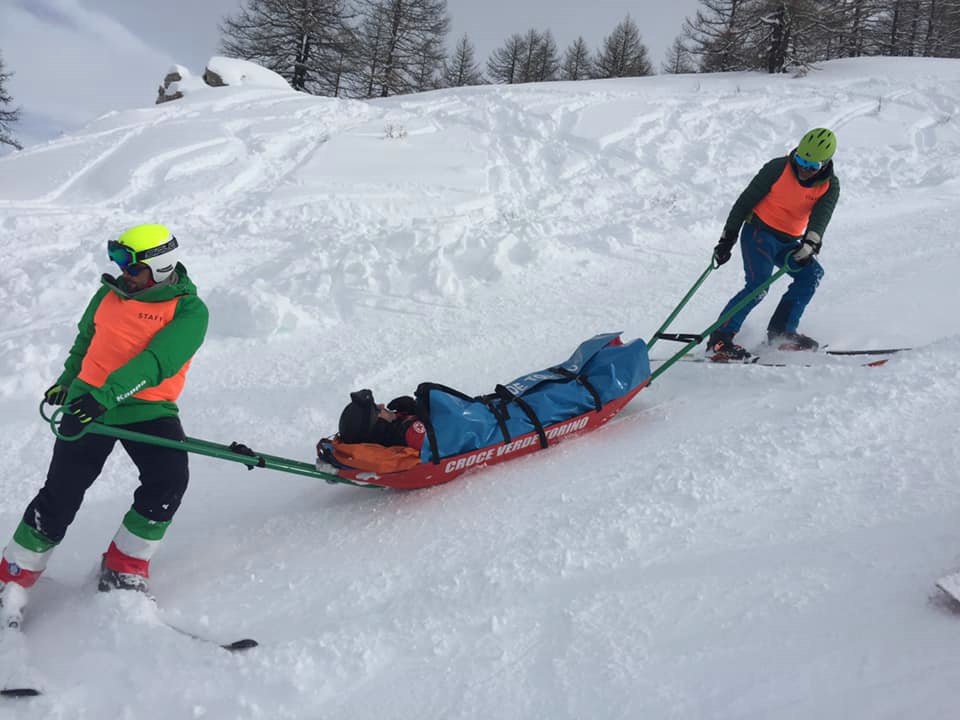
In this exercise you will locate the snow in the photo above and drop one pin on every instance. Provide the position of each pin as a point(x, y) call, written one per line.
point(741, 542)
point(235, 72)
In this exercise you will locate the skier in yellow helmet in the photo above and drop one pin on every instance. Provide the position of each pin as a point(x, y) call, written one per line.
point(126, 368)
point(780, 216)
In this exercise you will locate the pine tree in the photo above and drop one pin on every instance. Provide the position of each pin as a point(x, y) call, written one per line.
point(401, 46)
point(8, 115)
point(717, 35)
point(576, 61)
point(942, 38)
point(851, 25)
point(678, 61)
point(546, 60)
point(503, 66)
point(462, 68)
point(623, 53)
point(789, 34)
point(308, 42)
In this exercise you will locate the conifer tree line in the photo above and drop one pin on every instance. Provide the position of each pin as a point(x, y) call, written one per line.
point(379, 48)
point(785, 35)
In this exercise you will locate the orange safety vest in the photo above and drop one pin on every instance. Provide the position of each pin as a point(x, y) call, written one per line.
point(124, 328)
point(788, 205)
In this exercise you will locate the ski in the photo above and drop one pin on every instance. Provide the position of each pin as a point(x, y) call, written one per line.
point(235, 646)
point(884, 351)
point(14, 651)
point(760, 362)
point(762, 358)
point(950, 584)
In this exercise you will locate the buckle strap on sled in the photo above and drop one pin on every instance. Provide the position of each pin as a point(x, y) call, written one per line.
point(241, 449)
point(570, 375)
point(680, 337)
point(509, 397)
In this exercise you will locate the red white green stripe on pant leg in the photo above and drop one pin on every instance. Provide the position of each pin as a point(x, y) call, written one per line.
point(135, 543)
point(25, 557)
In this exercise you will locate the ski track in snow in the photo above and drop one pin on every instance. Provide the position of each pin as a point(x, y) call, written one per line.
point(742, 542)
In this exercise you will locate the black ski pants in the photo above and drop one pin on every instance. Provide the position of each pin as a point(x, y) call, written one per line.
point(76, 464)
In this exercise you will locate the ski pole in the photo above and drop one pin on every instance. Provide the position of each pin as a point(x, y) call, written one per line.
point(723, 318)
point(686, 298)
point(200, 447)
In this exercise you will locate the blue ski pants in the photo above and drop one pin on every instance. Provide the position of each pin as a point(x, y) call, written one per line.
point(762, 250)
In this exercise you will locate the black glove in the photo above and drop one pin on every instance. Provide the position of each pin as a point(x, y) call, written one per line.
point(55, 394)
point(86, 408)
point(810, 246)
point(722, 252)
point(403, 404)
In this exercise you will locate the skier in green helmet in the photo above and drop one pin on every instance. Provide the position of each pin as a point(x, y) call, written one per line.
point(126, 368)
point(781, 217)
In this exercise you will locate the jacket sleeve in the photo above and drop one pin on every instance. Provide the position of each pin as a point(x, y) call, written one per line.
point(167, 353)
point(758, 188)
point(823, 210)
point(86, 328)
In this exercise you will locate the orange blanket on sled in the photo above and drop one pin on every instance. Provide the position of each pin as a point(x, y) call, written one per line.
point(376, 458)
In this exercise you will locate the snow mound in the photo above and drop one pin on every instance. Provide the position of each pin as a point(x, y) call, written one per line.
point(235, 72)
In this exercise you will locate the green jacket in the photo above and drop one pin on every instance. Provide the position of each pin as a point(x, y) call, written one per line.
point(763, 182)
point(167, 352)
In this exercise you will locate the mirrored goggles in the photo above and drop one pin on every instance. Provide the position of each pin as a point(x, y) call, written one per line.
point(125, 256)
point(805, 164)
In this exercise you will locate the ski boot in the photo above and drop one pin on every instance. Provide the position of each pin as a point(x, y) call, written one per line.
point(721, 348)
point(117, 580)
point(791, 341)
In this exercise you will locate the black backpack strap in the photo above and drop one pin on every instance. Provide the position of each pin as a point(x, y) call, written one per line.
point(597, 404)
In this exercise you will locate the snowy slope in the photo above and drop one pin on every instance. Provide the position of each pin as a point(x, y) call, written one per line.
point(742, 542)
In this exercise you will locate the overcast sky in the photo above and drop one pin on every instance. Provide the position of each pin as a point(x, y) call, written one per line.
point(76, 59)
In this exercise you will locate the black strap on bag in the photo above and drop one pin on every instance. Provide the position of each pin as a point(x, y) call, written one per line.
point(500, 416)
point(508, 397)
point(597, 405)
point(422, 396)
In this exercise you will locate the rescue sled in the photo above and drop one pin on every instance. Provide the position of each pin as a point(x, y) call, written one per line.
point(423, 475)
point(532, 413)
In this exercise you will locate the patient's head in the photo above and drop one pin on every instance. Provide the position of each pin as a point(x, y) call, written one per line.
point(364, 421)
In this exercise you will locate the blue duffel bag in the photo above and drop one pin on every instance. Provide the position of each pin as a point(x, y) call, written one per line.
point(600, 370)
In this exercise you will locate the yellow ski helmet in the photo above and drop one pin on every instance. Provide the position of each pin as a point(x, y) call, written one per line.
point(150, 245)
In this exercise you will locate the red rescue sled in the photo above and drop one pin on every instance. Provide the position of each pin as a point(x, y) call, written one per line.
point(427, 474)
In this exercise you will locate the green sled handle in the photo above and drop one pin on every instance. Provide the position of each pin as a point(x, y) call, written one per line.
point(232, 453)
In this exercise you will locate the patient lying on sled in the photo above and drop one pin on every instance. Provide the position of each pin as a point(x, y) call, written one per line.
point(390, 425)
point(377, 437)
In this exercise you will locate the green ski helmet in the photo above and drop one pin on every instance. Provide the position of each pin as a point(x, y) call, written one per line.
point(150, 245)
point(818, 145)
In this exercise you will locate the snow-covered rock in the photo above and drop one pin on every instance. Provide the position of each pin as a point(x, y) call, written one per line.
point(219, 72)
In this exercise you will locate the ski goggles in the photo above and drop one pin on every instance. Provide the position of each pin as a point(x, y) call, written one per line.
point(125, 256)
point(805, 164)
